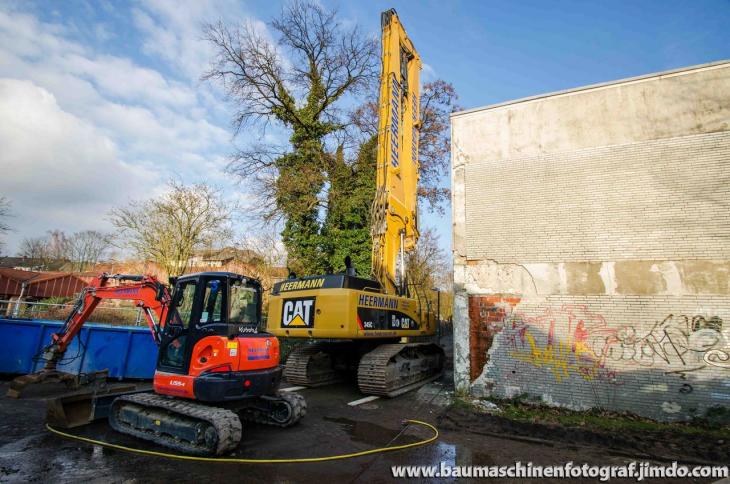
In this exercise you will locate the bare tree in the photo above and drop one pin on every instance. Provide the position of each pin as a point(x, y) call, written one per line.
point(269, 262)
point(83, 249)
point(429, 268)
point(169, 229)
point(86, 248)
point(299, 80)
point(37, 250)
point(438, 101)
point(4, 215)
point(326, 62)
point(58, 245)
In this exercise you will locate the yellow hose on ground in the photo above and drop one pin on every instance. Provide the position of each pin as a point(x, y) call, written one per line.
point(256, 461)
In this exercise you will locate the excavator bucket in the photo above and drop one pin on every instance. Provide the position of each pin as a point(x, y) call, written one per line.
point(54, 376)
point(83, 407)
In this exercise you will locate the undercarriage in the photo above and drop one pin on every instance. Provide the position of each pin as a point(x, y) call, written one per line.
point(386, 369)
point(196, 428)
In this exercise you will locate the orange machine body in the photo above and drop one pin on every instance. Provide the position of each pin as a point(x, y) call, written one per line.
point(220, 355)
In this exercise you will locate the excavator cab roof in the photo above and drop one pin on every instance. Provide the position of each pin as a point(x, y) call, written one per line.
point(215, 274)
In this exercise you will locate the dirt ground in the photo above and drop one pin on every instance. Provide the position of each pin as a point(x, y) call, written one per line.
point(29, 453)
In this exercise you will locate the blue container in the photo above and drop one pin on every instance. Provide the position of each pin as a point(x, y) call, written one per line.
point(126, 351)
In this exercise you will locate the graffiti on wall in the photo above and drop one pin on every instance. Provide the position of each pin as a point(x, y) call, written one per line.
point(588, 347)
point(680, 342)
point(572, 340)
point(575, 341)
point(561, 340)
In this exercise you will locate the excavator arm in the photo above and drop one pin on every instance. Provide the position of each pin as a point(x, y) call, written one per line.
point(394, 226)
point(146, 291)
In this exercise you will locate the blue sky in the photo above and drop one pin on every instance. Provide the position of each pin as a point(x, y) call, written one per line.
point(100, 102)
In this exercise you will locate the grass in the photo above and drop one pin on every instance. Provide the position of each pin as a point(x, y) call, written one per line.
point(715, 423)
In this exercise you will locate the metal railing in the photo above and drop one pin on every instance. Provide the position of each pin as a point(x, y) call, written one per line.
point(115, 315)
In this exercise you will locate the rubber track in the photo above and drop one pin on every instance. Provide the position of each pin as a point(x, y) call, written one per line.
point(372, 375)
point(225, 422)
point(296, 402)
point(296, 370)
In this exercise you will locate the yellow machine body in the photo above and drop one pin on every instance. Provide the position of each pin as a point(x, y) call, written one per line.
point(337, 306)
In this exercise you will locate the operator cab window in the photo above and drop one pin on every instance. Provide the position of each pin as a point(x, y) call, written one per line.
point(212, 302)
point(244, 304)
point(184, 299)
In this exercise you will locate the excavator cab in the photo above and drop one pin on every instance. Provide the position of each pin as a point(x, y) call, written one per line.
point(205, 304)
point(210, 346)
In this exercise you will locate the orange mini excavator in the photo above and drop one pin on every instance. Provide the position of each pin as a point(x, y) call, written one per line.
point(214, 367)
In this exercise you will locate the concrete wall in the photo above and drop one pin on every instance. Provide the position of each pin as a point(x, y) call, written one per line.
point(592, 246)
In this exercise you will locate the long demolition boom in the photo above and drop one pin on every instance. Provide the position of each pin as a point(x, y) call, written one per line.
point(394, 227)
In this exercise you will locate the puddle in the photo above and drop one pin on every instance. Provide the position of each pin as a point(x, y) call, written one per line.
point(435, 394)
point(372, 434)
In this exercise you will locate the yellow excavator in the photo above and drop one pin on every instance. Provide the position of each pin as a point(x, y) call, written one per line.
point(380, 329)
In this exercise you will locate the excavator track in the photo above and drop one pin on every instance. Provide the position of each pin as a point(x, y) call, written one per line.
point(184, 426)
point(283, 410)
point(311, 365)
point(393, 369)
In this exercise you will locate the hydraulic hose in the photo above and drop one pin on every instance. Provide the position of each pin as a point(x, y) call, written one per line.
point(232, 460)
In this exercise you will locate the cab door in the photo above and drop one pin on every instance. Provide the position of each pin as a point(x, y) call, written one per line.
point(174, 353)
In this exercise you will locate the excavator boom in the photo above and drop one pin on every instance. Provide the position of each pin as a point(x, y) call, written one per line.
point(146, 291)
point(394, 227)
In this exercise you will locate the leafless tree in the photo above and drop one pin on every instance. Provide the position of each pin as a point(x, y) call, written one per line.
point(429, 268)
point(37, 250)
point(295, 80)
point(58, 245)
point(82, 249)
point(438, 101)
point(169, 229)
point(86, 248)
point(4, 215)
point(269, 264)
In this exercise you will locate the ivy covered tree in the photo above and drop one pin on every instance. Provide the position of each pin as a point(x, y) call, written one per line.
point(297, 80)
point(320, 183)
point(346, 231)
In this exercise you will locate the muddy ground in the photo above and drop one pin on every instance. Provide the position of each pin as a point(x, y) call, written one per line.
point(28, 453)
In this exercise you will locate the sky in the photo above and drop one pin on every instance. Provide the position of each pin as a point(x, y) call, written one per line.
point(101, 102)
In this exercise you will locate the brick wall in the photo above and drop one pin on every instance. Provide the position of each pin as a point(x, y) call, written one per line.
point(666, 199)
point(663, 358)
point(592, 246)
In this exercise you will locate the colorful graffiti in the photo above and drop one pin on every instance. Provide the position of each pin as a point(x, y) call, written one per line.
point(679, 342)
point(572, 340)
point(560, 341)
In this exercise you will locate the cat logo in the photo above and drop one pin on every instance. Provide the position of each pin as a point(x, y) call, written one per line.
point(298, 313)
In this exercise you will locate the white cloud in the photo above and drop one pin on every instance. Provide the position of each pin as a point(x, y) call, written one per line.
point(87, 121)
point(173, 30)
point(58, 170)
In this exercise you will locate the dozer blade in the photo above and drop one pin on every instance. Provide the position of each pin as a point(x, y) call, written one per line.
point(83, 407)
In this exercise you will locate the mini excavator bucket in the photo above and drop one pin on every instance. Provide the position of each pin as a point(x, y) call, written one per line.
point(83, 407)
